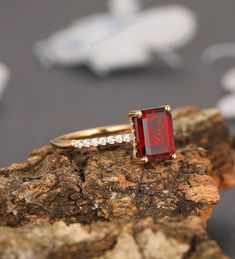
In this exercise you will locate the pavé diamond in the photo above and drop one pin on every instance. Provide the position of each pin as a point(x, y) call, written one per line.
point(126, 138)
point(86, 143)
point(111, 140)
point(102, 141)
point(78, 144)
point(119, 139)
point(94, 142)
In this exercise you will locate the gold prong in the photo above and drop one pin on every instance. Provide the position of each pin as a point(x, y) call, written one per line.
point(134, 152)
point(174, 156)
point(168, 108)
point(141, 161)
point(139, 114)
point(145, 159)
point(136, 113)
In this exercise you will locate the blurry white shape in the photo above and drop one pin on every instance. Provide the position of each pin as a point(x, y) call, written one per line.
point(163, 28)
point(123, 38)
point(228, 80)
point(213, 53)
point(108, 56)
point(124, 8)
point(227, 103)
point(227, 106)
point(4, 77)
point(218, 51)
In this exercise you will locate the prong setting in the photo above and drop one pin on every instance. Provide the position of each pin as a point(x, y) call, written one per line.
point(141, 161)
point(132, 115)
point(139, 114)
point(145, 159)
point(173, 156)
point(168, 108)
point(136, 113)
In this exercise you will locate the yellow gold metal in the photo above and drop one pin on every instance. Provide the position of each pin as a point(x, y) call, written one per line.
point(145, 159)
point(131, 115)
point(136, 113)
point(168, 108)
point(69, 140)
point(141, 161)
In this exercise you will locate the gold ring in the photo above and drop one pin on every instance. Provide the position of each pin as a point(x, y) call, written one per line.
point(150, 132)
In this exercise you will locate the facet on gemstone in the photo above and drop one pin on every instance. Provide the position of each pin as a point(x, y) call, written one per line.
point(153, 132)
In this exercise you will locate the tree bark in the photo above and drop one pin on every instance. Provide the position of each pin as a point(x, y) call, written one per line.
point(146, 238)
point(114, 207)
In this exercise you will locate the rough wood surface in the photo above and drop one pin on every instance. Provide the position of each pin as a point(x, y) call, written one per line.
point(104, 185)
point(147, 238)
point(207, 129)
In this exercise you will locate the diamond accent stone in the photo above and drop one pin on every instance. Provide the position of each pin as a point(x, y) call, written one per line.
point(86, 143)
point(126, 138)
point(78, 144)
point(94, 142)
point(111, 140)
point(119, 139)
point(102, 141)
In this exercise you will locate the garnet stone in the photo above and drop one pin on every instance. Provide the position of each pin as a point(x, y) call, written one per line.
point(154, 134)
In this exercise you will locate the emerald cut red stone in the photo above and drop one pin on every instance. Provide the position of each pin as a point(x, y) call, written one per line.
point(154, 134)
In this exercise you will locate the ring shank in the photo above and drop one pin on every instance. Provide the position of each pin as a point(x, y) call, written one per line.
point(67, 141)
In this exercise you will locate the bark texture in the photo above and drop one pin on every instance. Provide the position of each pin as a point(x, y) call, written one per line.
point(114, 207)
point(146, 238)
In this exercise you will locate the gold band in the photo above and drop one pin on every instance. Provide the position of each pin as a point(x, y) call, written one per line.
point(149, 131)
point(69, 140)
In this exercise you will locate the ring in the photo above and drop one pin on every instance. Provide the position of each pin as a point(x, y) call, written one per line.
point(150, 132)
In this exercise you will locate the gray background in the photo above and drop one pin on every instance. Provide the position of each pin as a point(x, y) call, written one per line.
point(40, 103)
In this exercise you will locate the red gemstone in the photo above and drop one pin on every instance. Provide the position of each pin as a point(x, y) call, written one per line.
point(154, 134)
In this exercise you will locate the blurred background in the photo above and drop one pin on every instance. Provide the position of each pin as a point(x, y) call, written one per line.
point(41, 103)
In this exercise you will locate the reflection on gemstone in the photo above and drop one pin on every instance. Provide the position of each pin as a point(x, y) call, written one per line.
point(154, 134)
